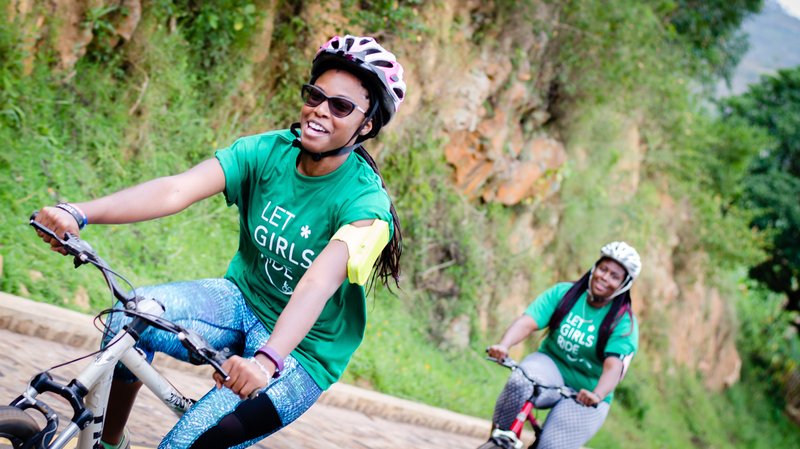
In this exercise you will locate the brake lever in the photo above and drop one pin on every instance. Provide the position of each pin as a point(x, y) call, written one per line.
point(80, 249)
point(570, 393)
point(200, 351)
point(83, 252)
point(508, 362)
point(217, 358)
point(567, 392)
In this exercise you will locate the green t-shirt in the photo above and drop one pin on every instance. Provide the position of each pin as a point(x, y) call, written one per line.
point(285, 220)
point(572, 345)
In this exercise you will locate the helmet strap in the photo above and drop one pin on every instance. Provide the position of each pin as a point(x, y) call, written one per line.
point(589, 295)
point(624, 287)
point(316, 157)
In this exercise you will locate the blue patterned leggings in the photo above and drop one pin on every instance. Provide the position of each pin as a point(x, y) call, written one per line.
point(217, 310)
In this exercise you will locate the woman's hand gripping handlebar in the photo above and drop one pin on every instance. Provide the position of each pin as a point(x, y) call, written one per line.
point(198, 348)
point(563, 390)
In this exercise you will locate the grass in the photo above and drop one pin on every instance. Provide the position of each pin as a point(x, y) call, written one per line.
point(396, 358)
point(666, 408)
point(79, 139)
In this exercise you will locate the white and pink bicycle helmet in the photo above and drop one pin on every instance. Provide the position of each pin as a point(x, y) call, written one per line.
point(363, 55)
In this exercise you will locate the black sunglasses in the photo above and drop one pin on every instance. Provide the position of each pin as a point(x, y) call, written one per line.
point(340, 107)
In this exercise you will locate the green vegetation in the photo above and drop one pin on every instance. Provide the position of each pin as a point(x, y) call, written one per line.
point(770, 188)
point(772, 184)
point(397, 358)
point(70, 140)
point(710, 30)
point(188, 84)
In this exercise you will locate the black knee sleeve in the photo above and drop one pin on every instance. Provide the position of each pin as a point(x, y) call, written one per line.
point(251, 419)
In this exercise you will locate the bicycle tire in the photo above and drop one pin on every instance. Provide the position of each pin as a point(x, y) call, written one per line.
point(496, 443)
point(16, 426)
point(537, 432)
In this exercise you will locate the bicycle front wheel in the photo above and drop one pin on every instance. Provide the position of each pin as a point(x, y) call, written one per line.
point(16, 427)
point(497, 443)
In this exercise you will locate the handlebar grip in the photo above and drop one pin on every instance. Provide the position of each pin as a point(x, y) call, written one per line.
point(44, 229)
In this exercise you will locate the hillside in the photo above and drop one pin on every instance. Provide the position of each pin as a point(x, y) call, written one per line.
point(532, 133)
point(774, 42)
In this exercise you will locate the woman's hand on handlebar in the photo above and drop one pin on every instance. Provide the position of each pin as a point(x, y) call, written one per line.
point(588, 398)
point(498, 351)
point(244, 376)
point(60, 222)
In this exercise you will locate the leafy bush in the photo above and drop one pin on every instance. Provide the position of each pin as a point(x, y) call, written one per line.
point(215, 29)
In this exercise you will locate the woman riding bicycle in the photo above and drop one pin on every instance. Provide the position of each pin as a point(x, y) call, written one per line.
point(592, 335)
point(314, 218)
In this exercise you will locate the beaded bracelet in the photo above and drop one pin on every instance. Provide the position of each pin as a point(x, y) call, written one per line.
point(274, 357)
point(261, 367)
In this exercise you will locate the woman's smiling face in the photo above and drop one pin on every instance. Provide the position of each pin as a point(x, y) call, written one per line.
point(607, 277)
point(321, 130)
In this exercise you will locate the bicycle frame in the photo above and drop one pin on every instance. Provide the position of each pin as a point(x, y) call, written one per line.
point(526, 412)
point(514, 433)
point(88, 392)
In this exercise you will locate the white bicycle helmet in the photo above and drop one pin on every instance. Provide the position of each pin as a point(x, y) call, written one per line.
point(365, 56)
point(625, 255)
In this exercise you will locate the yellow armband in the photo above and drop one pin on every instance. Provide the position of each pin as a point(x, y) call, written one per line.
point(364, 245)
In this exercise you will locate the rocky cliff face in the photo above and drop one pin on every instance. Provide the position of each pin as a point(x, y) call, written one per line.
point(504, 146)
point(63, 26)
point(495, 97)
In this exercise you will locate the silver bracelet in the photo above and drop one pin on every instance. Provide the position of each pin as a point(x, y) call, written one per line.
point(261, 367)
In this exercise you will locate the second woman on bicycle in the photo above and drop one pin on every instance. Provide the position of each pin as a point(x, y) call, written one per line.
point(592, 336)
point(314, 217)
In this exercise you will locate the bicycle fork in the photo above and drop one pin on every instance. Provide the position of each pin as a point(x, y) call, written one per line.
point(97, 399)
point(522, 416)
point(514, 433)
point(88, 394)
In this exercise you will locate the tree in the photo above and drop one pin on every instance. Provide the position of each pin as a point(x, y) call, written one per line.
point(711, 29)
point(772, 185)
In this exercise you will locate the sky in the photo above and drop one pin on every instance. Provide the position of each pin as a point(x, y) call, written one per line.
point(792, 7)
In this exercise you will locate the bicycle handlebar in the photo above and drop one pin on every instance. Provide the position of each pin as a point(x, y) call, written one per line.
point(84, 253)
point(199, 349)
point(509, 363)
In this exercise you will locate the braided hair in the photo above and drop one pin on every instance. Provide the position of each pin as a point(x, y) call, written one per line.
point(388, 264)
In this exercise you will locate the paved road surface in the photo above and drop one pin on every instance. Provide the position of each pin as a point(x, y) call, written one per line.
point(323, 427)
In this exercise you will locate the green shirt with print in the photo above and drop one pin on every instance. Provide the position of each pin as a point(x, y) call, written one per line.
point(285, 220)
point(572, 345)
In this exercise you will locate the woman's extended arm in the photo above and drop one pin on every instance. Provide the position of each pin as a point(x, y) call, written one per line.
point(159, 197)
point(519, 329)
point(152, 199)
point(612, 374)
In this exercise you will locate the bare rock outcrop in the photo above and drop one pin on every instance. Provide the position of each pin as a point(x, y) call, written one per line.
point(504, 156)
point(68, 25)
point(674, 294)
